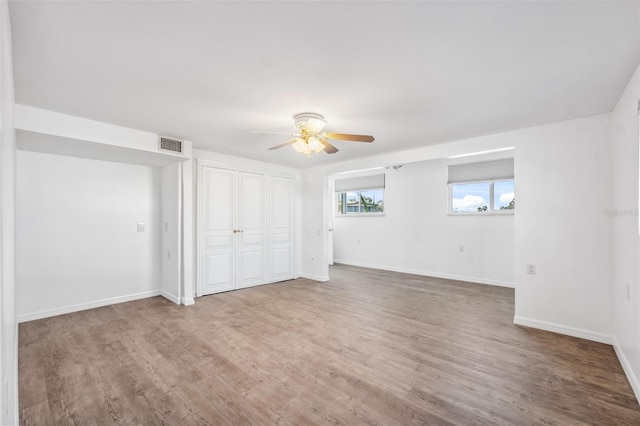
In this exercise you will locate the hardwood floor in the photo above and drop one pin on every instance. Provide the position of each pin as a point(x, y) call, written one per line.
point(369, 347)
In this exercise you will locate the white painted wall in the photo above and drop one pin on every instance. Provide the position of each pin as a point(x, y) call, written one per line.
point(315, 225)
point(171, 253)
point(562, 172)
point(41, 121)
point(188, 234)
point(8, 324)
point(416, 234)
point(77, 242)
point(626, 253)
point(563, 175)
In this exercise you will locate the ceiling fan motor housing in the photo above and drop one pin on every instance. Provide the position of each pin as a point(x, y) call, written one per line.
point(303, 118)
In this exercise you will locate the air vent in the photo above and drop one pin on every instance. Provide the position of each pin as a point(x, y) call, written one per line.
point(170, 144)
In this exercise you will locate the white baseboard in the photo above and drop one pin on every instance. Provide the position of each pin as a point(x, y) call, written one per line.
point(628, 371)
point(187, 301)
point(15, 368)
point(428, 273)
point(322, 279)
point(171, 297)
point(84, 306)
point(564, 329)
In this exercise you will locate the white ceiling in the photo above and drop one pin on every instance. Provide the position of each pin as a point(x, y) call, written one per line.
point(409, 73)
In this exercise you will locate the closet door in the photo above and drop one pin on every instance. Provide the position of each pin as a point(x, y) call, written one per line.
point(250, 233)
point(217, 226)
point(280, 229)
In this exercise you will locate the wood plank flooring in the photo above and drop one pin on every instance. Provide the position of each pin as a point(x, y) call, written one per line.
point(369, 347)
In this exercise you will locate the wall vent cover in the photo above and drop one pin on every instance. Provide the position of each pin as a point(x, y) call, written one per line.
point(170, 144)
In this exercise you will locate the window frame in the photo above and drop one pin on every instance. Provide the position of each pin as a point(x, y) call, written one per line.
point(338, 213)
point(490, 211)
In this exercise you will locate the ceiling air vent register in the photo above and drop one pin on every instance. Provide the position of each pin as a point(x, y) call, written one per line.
point(170, 144)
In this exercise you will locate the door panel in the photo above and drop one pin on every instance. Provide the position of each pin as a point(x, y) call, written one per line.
point(218, 270)
point(251, 209)
point(281, 265)
point(280, 229)
point(217, 234)
point(252, 269)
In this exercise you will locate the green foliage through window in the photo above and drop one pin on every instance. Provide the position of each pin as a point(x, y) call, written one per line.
point(361, 202)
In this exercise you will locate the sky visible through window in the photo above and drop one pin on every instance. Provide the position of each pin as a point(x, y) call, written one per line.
point(468, 197)
point(503, 193)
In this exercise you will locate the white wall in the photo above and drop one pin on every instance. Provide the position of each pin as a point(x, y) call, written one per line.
point(416, 234)
point(563, 180)
point(8, 324)
point(626, 253)
point(563, 174)
point(188, 233)
point(40, 121)
point(76, 221)
point(170, 254)
point(315, 225)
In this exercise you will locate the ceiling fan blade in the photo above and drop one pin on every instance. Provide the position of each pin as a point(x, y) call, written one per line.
point(328, 148)
point(289, 142)
point(346, 137)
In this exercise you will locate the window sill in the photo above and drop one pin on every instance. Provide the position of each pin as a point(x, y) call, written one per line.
point(360, 215)
point(511, 213)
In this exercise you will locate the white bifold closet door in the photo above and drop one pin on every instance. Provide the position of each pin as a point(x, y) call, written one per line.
point(216, 231)
point(250, 237)
point(232, 230)
point(245, 229)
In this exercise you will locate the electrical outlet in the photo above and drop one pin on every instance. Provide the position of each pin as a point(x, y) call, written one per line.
point(461, 249)
point(166, 226)
point(531, 269)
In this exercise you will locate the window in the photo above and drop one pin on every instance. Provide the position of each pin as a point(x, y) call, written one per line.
point(366, 201)
point(504, 195)
point(360, 196)
point(476, 197)
point(478, 188)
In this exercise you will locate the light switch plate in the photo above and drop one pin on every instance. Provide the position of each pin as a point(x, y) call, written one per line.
point(140, 226)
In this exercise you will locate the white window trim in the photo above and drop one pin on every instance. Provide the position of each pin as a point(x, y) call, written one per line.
point(374, 214)
point(491, 211)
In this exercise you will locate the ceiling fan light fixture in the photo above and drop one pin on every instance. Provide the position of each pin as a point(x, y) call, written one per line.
point(314, 143)
point(300, 145)
point(308, 139)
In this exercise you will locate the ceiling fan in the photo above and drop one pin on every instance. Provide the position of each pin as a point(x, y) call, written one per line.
point(310, 139)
